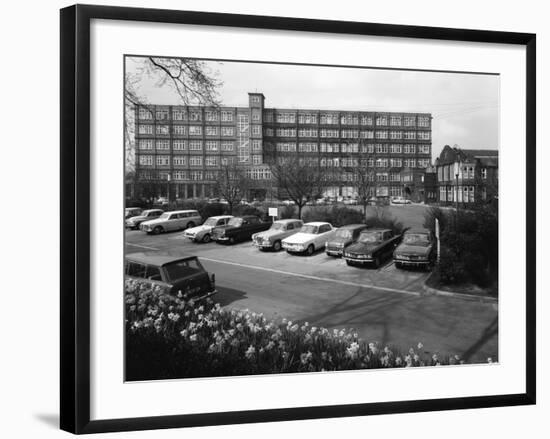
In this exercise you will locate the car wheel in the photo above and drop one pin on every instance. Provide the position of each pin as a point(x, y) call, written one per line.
point(157, 230)
point(190, 224)
point(310, 250)
point(232, 240)
point(206, 238)
point(377, 261)
point(277, 246)
point(398, 265)
point(349, 263)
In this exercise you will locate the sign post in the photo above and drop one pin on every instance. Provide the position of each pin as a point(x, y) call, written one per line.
point(437, 237)
point(273, 213)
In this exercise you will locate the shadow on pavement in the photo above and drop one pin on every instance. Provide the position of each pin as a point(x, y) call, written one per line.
point(227, 296)
point(489, 332)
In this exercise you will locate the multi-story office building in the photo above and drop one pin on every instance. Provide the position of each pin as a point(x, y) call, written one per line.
point(183, 147)
point(467, 175)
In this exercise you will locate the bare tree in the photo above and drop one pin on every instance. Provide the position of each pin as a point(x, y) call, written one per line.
point(300, 179)
point(362, 177)
point(232, 184)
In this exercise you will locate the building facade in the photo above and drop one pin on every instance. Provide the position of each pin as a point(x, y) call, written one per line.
point(467, 175)
point(179, 149)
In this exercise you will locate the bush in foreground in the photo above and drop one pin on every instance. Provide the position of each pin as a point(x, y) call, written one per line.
point(172, 337)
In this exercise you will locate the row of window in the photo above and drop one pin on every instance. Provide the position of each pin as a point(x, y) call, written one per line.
point(182, 160)
point(462, 194)
point(187, 114)
point(347, 162)
point(449, 172)
point(380, 148)
point(348, 134)
point(192, 145)
point(347, 119)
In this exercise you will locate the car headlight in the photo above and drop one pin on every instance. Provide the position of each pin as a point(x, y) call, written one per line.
point(266, 241)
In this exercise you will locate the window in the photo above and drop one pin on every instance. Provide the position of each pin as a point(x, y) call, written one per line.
point(424, 135)
point(211, 161)
point(195, 130)
point(212, 146)
point(396, 134)
point(407, 177)
point(195, 116)
point(349, 119)
point(228, 146)
point(366, 120)
point(146, 160)
point(179, 160)
point(145, 114)
point(195, 175)
point(179, 145)
point(442, 194)
point(329, 133)
point(395, 148)
point(145, 129)
point(423, 163)
point(195, 160)
point(286, 117)
point(255, 99)
point(307, 132)
point(256, 145)
point(163, 160)
point(409, 121)
point(162, 115)
point(382, 176)
point(256, 159)
point(163, 130)
point(381, 148)
point(329, 118)
point(256, 115)
point(381, 163)
point(145, 144)
point(211, 131)
point(256, 130)
point(211, 175)
point(350, 134)
point(195, 146)
point(211, 116)
point(350, 147)
point(410, 135)
point(484, 173)
point(395, 176)
point(367, 134)
point(381, 134)
point(286, 147)
point(396, 163)
point(409, 149)
point(179, 175)
point(307, 147)
point(381, 120)
point(286, 132)
point(396, 191)
point(227, 116)
point(179, 130)
point(395, 121)
point(330, 147)
point(179, 114)
point(163, 145)
point(307, 118)
point(228, 131)
point(424, 149)
point(367, 148)
point(423, 121)
point(410, 163)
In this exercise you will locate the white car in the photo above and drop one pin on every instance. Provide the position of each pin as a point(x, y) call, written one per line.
point(174, 220)
point(203, 233)
point(311, 237)
point(400, 200)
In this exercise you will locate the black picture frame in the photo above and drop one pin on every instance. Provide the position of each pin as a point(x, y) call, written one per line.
point(75, 217)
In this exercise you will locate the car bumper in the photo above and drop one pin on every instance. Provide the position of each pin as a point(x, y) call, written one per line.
point(334, 252)
point(419, 263)
point(262, 246)
point(192, 237)
point(220, 239)
point(358, 260)
point(293, 249)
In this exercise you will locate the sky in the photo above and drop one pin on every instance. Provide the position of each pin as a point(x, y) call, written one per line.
point(464, 106)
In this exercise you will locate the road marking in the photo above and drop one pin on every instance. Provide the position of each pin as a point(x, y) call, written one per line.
point(307, 276)
point(142, 246)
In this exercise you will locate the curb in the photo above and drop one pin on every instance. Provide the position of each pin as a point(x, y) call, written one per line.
point(430, 291)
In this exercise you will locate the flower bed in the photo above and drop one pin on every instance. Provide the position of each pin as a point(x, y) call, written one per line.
point(172, 337)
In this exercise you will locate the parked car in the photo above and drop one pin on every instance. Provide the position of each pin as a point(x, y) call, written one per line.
point(287, 202)
point(280, 229)
point(400, 200)
point(343, 237)
point(374, 246)
point(174, 220)
point(311, 237)
point(135, 221)
point(203, 233)
point(350, 201)
point(183, 274)
point(132, 211)
point(161, 201)
point(416, 250)
point(239, 228)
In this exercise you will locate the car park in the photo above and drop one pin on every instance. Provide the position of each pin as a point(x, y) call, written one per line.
point(311, 237)
point(373, 247)
point(343, 237)
point(179, 274)
point(173, 220)
point(132, 211)
point(239, 228)
point(417, 249)
point(149, 214)
point(203, 233)
point(279, 230)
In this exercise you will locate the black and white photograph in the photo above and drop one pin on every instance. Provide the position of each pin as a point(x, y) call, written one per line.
point(288, 218)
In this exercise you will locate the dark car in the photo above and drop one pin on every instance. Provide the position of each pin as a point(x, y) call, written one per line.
point(373, 246)
point(178, 273)
point(239, 228)
point(416, 250)
point(134, 221)
point(344, 236)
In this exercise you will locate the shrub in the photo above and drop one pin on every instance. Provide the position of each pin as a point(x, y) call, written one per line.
point(241, 210)
point(383, 219)
point(172, 337)
point(288, 212)
point(337, 216)
point(430, 216)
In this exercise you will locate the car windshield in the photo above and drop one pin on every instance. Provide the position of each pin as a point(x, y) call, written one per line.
point(370, 237)
point(309, 228)
point(236, 222)
point(164, 216)
point(416, 238)
point(346, 234)
point(182, 269)
point(277, 226)
point(211, 221)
